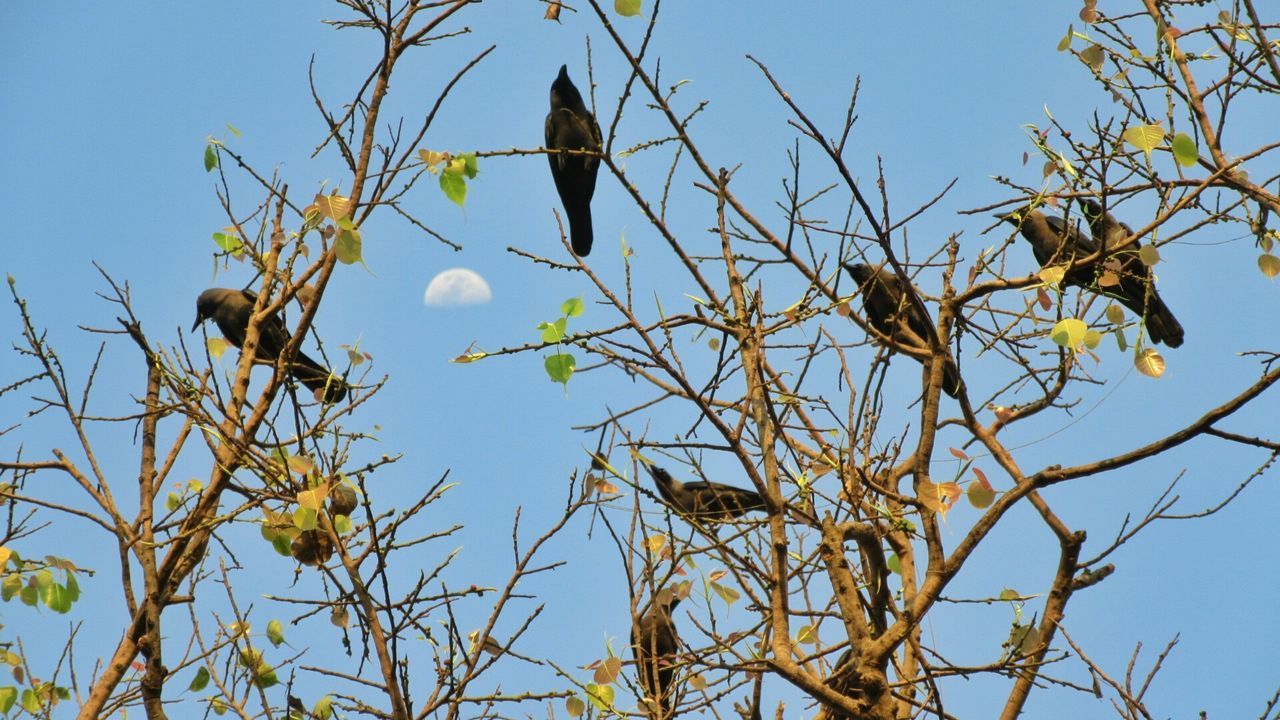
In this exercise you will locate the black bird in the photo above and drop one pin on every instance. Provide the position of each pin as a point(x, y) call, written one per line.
point(654, 643)
point(704, 501)
point(1054, 241)
point(231, 310)
point(888, 308)
point(1135, 288)
point(570, 126)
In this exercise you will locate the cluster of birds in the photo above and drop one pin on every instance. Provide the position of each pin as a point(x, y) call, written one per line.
point(896, 311)
point(893, 308)
point(654, 640)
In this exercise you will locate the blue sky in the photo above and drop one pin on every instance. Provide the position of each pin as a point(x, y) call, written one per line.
point(105, 114)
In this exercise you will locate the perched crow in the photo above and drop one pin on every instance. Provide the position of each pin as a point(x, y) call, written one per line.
point(570, 126)
point(1136, 288)
point(701, 501)
point(888, 309)
point(654, 643)
point(1054, 241)
point(231, 310)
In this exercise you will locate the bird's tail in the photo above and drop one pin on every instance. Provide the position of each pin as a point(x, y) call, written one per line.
point(580, 230)
point(317, 377)
point(951, 381)
point(1162, 326)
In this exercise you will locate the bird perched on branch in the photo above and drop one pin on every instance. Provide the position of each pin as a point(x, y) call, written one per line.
point(705, 501)
point(889, 310)
point(654, 643)
point(1054, 241)
point(571, 126)
point(231, 310)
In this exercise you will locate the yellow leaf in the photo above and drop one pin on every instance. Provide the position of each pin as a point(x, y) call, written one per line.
point(655, 543)
point(1144, 137)
point(1053, 274)
point(1269, 265)
point(1069, 333)
point(5, 554)
point(1115, 315)
point(300, 464)
point(1149, 363)
point(333, 206)
point(313, 499)
point(216, 346)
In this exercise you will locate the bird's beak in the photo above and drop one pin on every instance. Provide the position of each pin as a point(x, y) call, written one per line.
point(196, 325)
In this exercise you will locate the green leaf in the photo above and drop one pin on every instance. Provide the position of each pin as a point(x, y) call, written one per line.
point(726, 593)
point(342, 524)
point(454, 186)
point(894, 563)
point(282, 544)
point(29, 595)
point(1010, 594)
point(553, 332)
point(323, 709)
point(219, 707)
point(234, 130)
point(349, 246)
point(601, 696)
point(1115, 315)
point(1092, 338)
point(210, 157)
point(228, 243)
point(1069, 333)
point(73, 588)
point(11, 586)
point(200, 681)
point(560, 367)
point(574, 706)
point(572, 307)
point(1144, 137)
point(265, 676)
point(30, 702)
point(8, 696)
point(56, 599)
point(470, 166)
point(275, 632)
point(627, 8)
point(1185, 150)
point(304, 519)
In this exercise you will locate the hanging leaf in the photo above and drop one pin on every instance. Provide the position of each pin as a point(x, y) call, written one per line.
point(1115, 314)
point(1185, 150)
point(275, 633)
point(1053, 274)
point(1144, 137)
point(333, 206)
point(574, 706)
point(349, 246)
point(1069, 333)
point(1269, 265)
point(572, 307)
point(560, 367)
point(980, 492)
point(1093, 56)
point(1149, 255)
point(210, 157)
point(627, 8)
point(601, 696)
point(200, 681)
point(1149, 363)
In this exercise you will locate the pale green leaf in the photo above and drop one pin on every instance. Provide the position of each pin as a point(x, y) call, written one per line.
point(1185, 150)
point(1069, 333)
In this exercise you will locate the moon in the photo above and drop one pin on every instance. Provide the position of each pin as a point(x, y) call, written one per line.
point(457, 286)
